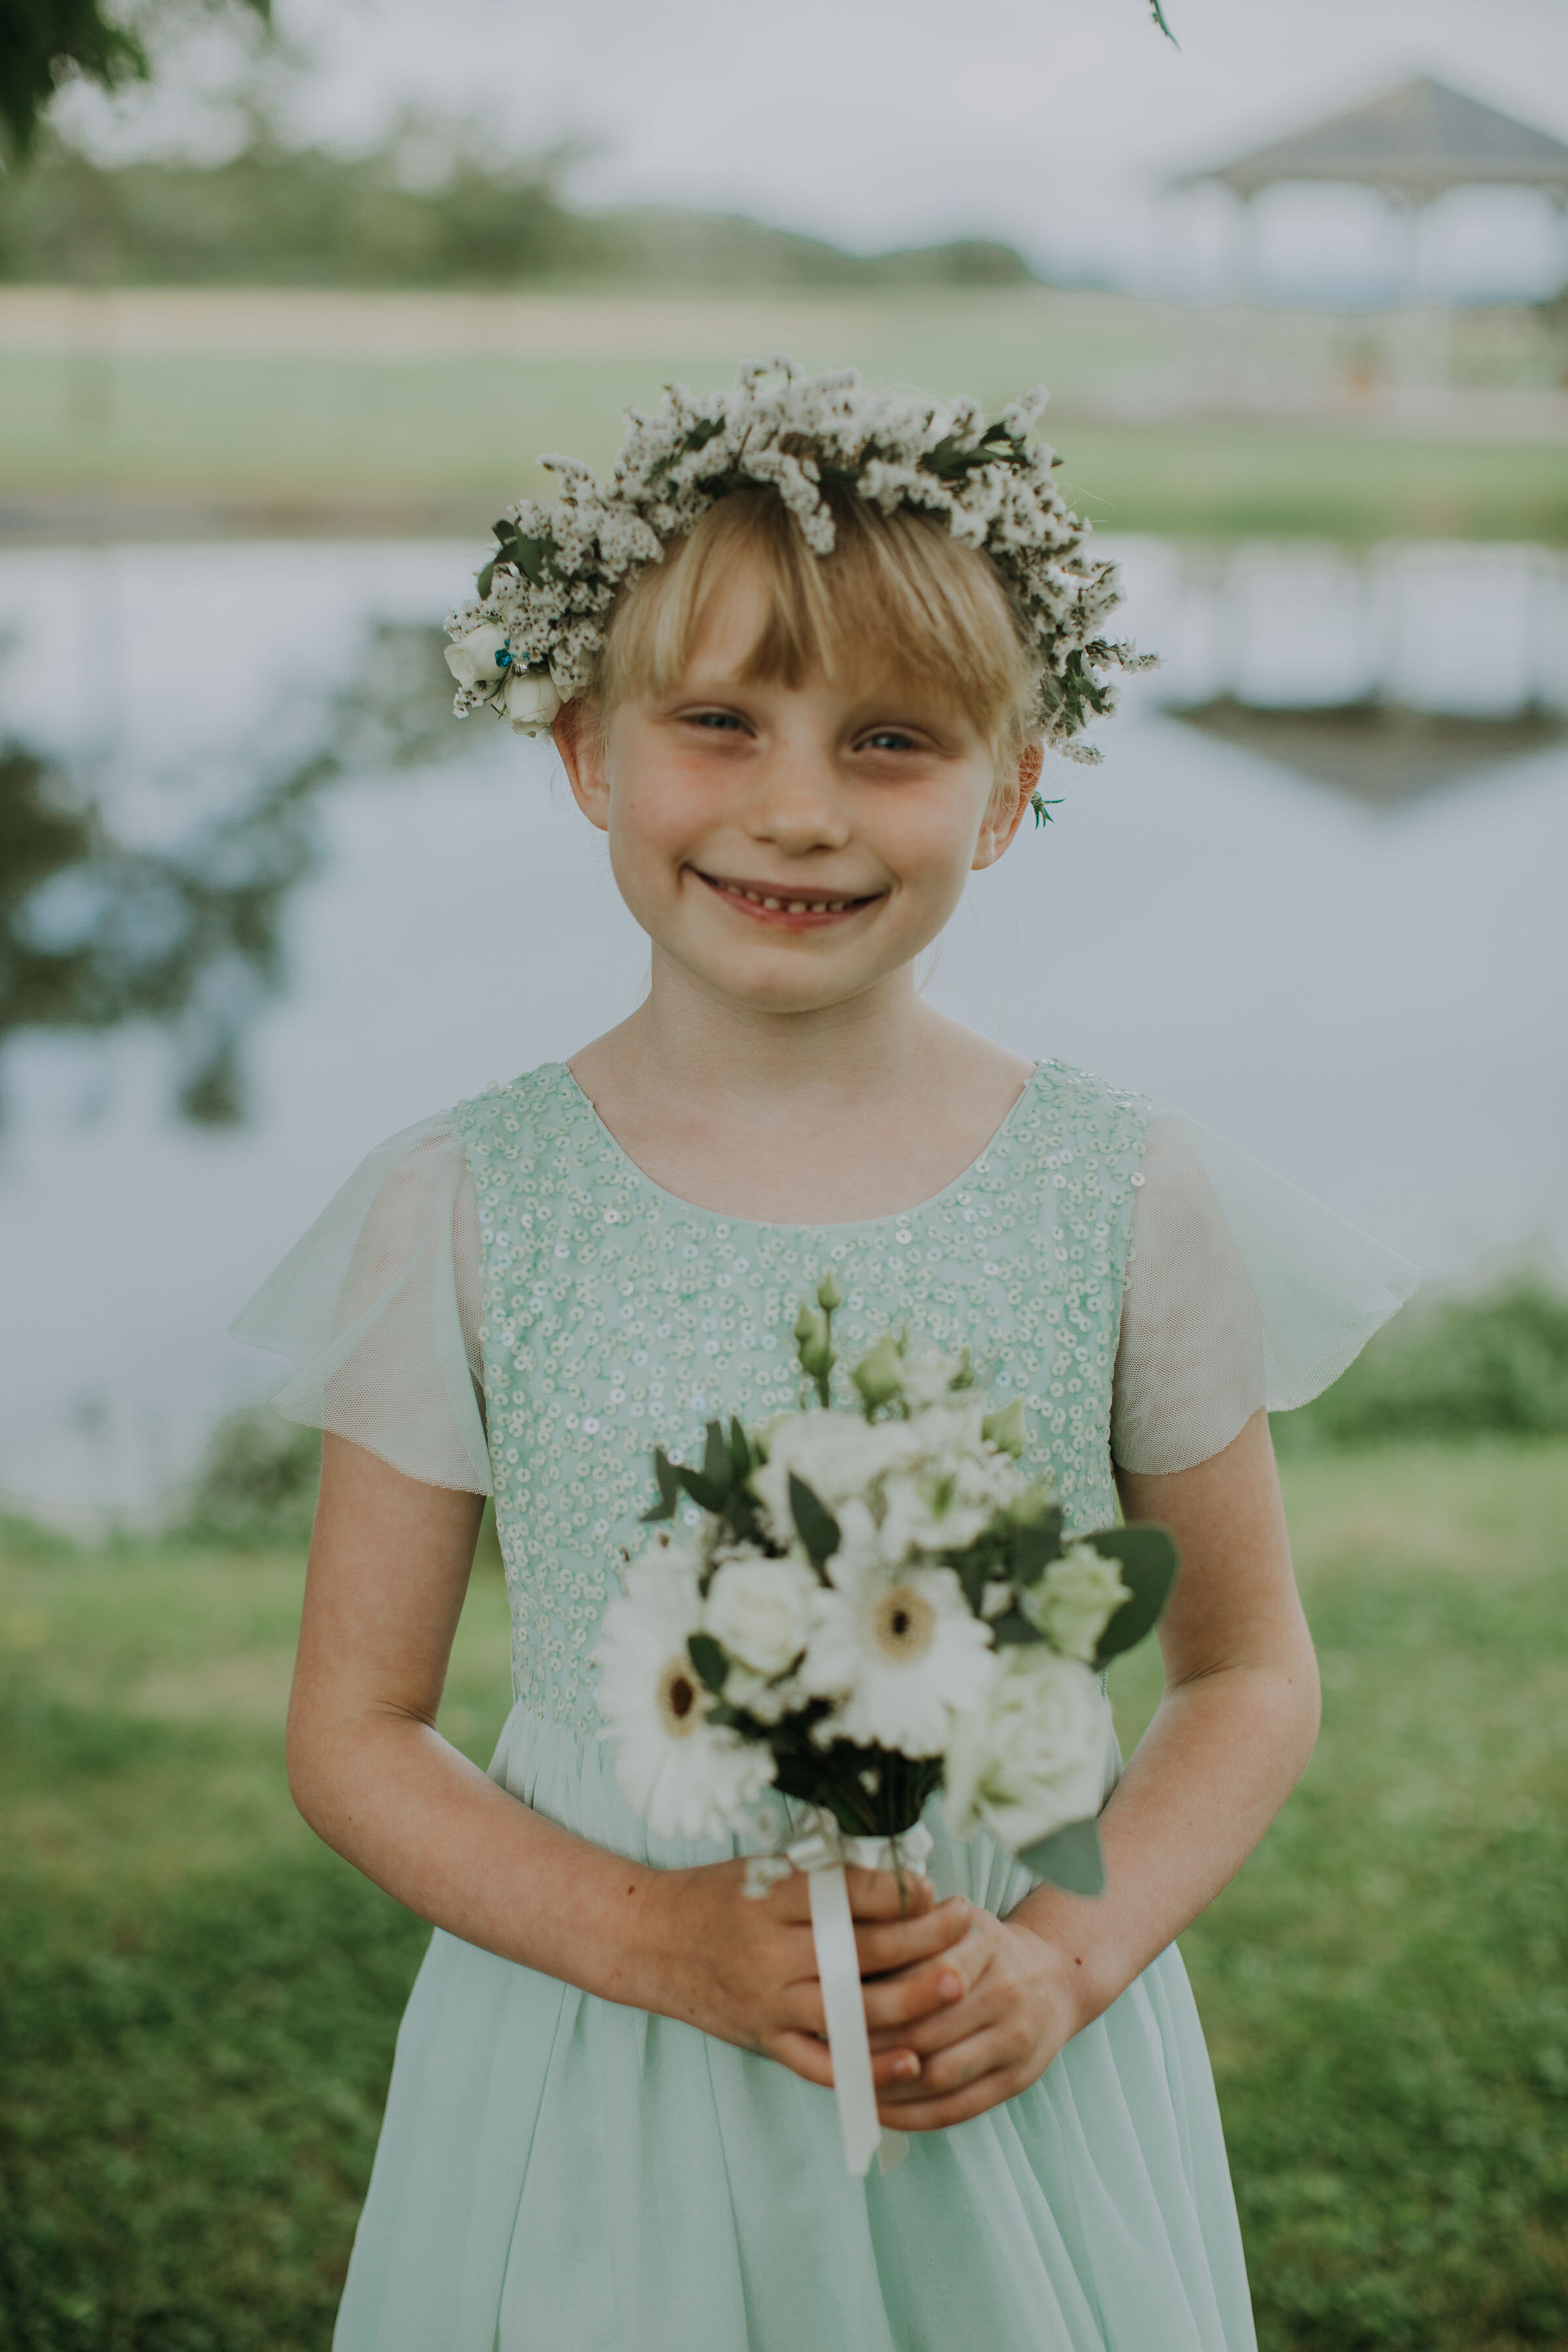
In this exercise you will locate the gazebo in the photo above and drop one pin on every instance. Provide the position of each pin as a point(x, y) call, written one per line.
point(1413, 144)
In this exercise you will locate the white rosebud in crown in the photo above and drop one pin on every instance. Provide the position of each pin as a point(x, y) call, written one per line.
point(530, 700)
point(481, 658)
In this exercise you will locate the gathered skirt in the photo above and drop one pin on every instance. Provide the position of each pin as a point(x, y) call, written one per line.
point(559, 2174)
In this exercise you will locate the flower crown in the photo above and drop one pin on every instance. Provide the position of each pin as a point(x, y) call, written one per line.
point(531, 639)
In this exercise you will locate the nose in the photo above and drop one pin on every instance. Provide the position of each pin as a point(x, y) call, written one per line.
point(796, 803)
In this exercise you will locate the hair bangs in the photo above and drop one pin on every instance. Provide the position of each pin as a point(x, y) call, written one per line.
point(898, 593)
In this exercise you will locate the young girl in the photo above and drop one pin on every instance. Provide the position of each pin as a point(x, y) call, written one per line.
point(801, 655)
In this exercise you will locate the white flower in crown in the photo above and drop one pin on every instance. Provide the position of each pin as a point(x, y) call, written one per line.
point(559, 567)
point(686, 1776)
point(1076, 1599)
point(901, 1653)
point(530, 700)
point(1031, 1756)
point(758, 1610)
point(481, 658)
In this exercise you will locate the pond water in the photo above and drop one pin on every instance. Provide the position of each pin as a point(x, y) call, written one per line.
point(331, 911)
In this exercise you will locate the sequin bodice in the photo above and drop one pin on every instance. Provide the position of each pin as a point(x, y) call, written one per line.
point(618, 1318)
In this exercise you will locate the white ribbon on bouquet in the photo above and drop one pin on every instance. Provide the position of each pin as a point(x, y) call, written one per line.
point(824, 1851)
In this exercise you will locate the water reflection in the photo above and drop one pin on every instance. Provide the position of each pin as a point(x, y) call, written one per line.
point(97, 932)
point(252, 830)
point(1380, 753)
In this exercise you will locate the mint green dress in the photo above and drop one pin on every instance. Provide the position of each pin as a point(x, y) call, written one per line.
point(502, 1300)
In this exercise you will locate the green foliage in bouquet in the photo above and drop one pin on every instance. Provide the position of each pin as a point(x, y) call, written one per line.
point(879, 1603)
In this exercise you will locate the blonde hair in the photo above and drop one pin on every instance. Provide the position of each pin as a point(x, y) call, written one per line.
point(897, 588)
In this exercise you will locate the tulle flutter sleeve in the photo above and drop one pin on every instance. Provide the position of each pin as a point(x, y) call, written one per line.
point(1242, 1292)
point(379, 1308)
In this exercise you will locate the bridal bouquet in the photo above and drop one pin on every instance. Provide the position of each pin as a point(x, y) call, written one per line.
point(867, 1605)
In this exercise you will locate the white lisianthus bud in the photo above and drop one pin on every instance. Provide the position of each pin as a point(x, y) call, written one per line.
point(760, 1611)
point(530, 700)
point(482, 658)
point(1075, 1599)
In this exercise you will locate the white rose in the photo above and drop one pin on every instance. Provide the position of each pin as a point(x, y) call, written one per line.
point(837, 1455)
point(1076, 1599)
point(474, 660)
point(1031, 1757)
point(759, 1610)
point(529, 699)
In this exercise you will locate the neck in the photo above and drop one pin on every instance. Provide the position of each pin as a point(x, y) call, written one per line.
point(855, 1111)
point(763, 1065)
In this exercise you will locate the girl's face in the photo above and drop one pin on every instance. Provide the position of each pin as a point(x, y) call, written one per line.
point(789, 847)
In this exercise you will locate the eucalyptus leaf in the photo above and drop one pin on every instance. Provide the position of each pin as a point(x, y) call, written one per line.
point(710, 1661)
point(815, 1523)
point(706, 1497)
point(1070, 1858)
point(1149, 1563)
point(717, 1467)
point(669, 1489)
point(1012, 1628)
point(1033, 1550)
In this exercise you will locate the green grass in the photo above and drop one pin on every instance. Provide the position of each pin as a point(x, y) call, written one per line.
point(199, 2003)
point(275, 431)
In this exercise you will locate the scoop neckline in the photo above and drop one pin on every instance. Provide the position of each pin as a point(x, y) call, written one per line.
point(618, 1152)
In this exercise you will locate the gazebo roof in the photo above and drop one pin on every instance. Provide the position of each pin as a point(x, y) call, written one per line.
point(1416, 142)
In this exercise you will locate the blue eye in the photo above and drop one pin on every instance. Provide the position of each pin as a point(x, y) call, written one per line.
point(715, 719)
point(888, 738)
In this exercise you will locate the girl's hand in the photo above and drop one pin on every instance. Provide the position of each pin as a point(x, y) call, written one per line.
point(1008, 2005)
point(745, 1970)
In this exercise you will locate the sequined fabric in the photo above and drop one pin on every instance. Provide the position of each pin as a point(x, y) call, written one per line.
point(618, 1318)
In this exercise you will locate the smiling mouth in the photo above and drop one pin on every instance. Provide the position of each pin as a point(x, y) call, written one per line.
point(758, 899)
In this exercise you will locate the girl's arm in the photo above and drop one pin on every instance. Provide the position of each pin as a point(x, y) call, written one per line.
point(389, 1565)
point(1228, 1741)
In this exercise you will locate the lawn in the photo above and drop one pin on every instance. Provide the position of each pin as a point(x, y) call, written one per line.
point(432, 422)
point(199, 2003)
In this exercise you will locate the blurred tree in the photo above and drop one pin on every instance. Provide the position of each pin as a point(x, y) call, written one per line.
point(44, 43)
point(280, 215)
point(96, 933)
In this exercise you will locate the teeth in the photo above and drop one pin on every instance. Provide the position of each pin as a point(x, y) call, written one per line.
point(786, 905)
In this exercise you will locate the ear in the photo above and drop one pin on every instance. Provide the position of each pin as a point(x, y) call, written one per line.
point(1008, 802)
point(580, 739)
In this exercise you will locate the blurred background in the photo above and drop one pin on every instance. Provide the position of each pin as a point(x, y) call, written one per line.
point(288, 306)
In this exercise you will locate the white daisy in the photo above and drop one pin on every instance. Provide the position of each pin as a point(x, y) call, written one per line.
point(685, 1776)
point(900, 1650)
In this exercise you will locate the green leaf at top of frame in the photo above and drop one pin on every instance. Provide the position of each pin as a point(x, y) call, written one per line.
point(1149, 1561)
point(741, 1460)
point(1070, 1858)
point(669, 1489)
point(815, 1523)
point(710, 1661)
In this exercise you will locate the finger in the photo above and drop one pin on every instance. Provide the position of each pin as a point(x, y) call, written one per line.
point(894, 2069)
point(807, 2054)
point(993, 2050)
point(885, 1895)
point(957, 2108)
point(897, 1945)
point(918, 1993)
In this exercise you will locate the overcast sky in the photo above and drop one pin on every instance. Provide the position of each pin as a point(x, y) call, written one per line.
point(1049, 123)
